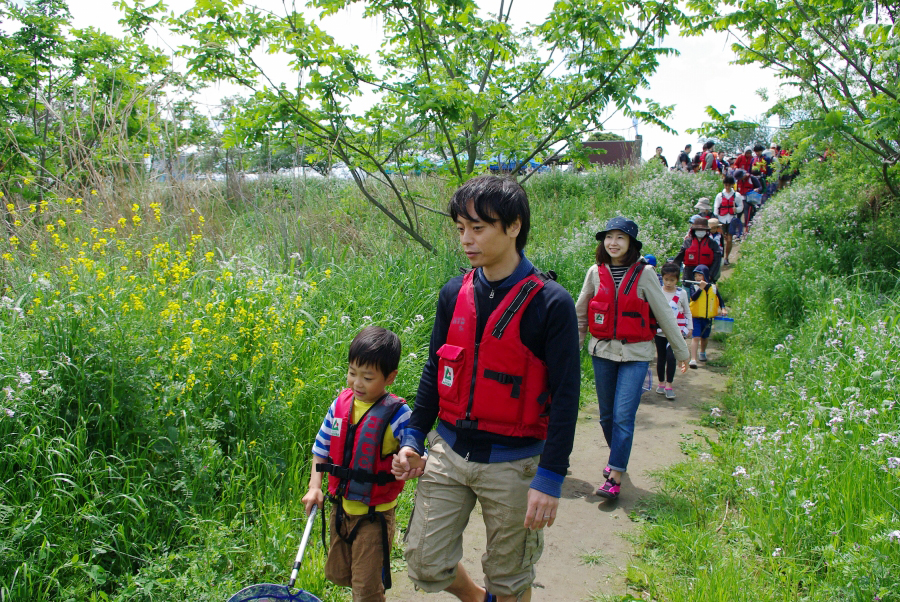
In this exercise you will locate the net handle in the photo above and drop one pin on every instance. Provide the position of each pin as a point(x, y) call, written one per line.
point(303, 542)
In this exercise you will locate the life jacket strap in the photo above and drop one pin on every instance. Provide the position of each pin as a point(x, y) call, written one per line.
point(506, 379)
point(372, 516)
point(514, 307)
point(360, 476)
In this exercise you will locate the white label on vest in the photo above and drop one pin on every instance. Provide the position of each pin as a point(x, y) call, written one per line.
point(598, 318)
point(336, 427)
point(448, 377)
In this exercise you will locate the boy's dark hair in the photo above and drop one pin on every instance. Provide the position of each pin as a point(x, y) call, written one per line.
point(375, 346)
point(687, 147)
point(495, 199)
point(708, 144)
point(758, 148)
point(728, 180)
point(631, 255)
point(671, 268)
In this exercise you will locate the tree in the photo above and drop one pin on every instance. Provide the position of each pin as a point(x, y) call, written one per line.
point(455, 83)
point(733, 136)
point(840, 57)
point(604, 136)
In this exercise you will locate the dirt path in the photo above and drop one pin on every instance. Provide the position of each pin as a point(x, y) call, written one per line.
point(586, 552)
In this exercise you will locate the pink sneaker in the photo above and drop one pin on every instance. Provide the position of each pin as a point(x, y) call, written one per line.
point(610, 489)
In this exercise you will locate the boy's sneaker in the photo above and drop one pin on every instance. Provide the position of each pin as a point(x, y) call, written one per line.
point(692, 364)
point(610, 489)
point(670, 393)
point(606, 472)
point(702, 356)
point(661, 389)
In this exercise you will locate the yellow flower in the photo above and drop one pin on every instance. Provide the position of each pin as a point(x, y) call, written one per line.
point(323, 320)
point(122, 221)
point(2, 195)
point(69, 201)
point(328, 273)
point(7, 257)
point(233, 357)
point(9, 206)
point(78, 212)
point(50, 228)
point(146, 155)
point(62, 223)
point(14, 241)
point(209, 256)
point(32, 208)
point(27, 181)
point(17, 223)
point(94, 193)
point(135, 207)
point(136, 219)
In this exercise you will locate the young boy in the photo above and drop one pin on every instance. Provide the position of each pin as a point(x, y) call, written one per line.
point(728, 205)
point(706, 304)
point(360, 481)
point(715, 231)
point(665, 356)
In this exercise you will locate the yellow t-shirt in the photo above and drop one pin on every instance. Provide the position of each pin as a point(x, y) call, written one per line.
point(390, 445)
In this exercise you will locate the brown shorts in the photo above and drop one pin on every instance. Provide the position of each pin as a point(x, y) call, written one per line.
point(358, 565)
point(445, 497)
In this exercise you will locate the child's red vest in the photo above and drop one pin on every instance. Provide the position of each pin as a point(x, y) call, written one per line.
point(496, 384)
point(744, 186)
point(699, 253)
point(358, 469)
point(621, 314)
point(726, 207)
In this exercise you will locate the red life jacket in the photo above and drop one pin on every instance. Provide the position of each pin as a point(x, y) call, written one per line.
point(726, 207)
point(680, 318)
point(496, 384)
point(699, 253)
point(703, 160)
point(359, 471)
point(621, 314)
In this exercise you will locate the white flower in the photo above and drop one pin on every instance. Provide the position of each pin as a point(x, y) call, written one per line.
point(779, 347)
point(367, 318)
point(413, 356)
point(894, 536)
point(705, 457)
point(715, 412)
point(43, 373)
point(345, 319)
point(739, 471)
point(24, 378)
point(419, 318)
point(893, 463)
point(778, 552)
point(9, 392)
point(9, 412)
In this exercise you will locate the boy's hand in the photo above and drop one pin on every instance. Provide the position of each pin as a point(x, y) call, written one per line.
point(407, 464)
point(313, 497)
point(684, 366)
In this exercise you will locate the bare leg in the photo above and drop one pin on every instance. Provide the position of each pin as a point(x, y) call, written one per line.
point(465, 589)
point(694, 342)
point(703, 343)
point(727, 245)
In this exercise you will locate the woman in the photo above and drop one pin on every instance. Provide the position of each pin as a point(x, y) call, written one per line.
point(617, 301)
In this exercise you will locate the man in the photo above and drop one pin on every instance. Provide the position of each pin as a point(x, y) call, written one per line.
point(683, 161)
point(659, 156)
point(502, 380)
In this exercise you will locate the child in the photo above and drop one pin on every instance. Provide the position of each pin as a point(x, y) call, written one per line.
point(715, 232)
point(364, 490)
point(699, 249)
point(704, 209)
point(665, 356)
point(706, 303)
point(728, 205)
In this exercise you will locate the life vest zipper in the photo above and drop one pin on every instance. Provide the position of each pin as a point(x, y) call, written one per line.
point(474, 379)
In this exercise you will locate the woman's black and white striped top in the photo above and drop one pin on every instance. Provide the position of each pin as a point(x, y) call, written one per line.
point(618, 272)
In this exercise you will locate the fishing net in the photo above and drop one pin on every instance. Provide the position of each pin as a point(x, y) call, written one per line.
point(269, 592)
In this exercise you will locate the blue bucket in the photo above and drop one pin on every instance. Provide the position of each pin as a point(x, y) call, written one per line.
point(723, 325)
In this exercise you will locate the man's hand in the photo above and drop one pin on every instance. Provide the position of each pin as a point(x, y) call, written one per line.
point(407, 464)
point(313, 497)
point(541, 510)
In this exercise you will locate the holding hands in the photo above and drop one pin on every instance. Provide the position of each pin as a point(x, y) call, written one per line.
point(407, 464)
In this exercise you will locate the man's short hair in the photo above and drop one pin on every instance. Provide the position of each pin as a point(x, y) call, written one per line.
point(687, 146)
point(375, 346)
point(658, 148)
point(728, 180)
point(758, 148)
point(495, 199)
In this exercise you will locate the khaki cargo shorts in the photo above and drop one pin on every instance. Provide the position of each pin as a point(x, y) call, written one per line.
point(445, 497)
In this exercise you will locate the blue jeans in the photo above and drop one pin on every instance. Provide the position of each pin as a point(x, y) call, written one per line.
point(619, 388)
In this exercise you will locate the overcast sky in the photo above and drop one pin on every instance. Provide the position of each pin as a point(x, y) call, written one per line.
point(701, 75)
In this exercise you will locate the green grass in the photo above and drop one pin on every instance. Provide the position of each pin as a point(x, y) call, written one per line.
point(799, 497)
point(167, 357)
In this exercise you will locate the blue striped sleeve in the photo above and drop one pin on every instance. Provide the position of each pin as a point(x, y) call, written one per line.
point(322, 444)
point(400, 422)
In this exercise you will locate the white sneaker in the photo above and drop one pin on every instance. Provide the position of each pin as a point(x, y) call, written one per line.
point(692, 364)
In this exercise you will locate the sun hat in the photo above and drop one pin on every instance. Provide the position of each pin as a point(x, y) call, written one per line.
point(692, 218)
point(625, 225)
point(739, 174)
point(713, 223)
point(700, 224)
point(749, 149)
point(703, 204)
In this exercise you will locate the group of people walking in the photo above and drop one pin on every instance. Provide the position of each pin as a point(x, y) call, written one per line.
point(498, 399)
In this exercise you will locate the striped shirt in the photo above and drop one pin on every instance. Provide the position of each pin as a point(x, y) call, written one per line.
point(618, 272)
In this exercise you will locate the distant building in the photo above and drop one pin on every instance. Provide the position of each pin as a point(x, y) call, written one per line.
point(618, 152)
